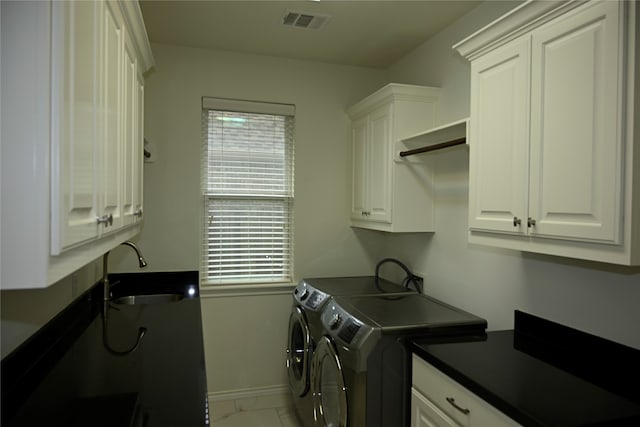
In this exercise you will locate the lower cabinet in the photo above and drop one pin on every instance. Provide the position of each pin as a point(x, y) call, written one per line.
point(439, 401)
point(424, 413)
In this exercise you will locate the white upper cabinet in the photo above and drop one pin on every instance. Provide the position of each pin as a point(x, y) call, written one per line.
point(498, 129)
point(576, 136)
point(75, 94)
point(375, 160)
point(554, 166)
point(111, 109)
point(389, 194)
point(72, 136)
point(132, 137)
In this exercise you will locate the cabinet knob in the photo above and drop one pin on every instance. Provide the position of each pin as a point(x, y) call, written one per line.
point(516, 221)
point(138, 213)
point(531, 222)
point(366, 213)
point(107, 220)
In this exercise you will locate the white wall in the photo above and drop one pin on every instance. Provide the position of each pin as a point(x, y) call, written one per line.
point(597, 298)
point(245, 334)
point(324, 242)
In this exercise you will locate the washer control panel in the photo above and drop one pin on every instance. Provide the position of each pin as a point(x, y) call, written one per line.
point(309, 297)
point(344, 326)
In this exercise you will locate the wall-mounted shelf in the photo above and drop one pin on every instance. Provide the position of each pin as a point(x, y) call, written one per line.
point(455, 133)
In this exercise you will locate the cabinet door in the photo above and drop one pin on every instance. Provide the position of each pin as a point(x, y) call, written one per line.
point(130, 141)
point(359, 131)
point(425, 414)
point(576, 138)
point(498, 164)
point(74, 146)
point(111, 104)
point(379, 167)
point(138, 151)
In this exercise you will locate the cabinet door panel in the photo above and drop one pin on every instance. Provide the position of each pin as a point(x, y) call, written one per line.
point(359, 173)
point(138, 151)
point(425, 414)
point(130, 135)
point(111, 67)
point(74, 142)
point(576, 169)
point(499, 138)
point(379, 179)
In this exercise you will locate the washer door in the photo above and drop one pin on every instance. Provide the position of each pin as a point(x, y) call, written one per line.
point(329, 391)
point(298, 353)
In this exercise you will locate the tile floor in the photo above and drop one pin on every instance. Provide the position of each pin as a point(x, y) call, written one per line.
point(268, 411)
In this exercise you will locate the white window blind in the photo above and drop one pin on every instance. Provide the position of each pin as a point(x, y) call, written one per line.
point(247, 185)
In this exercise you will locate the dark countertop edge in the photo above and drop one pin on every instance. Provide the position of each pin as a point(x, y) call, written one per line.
point(476, 388)
point(154, 283)
point(26, 366)
point(565, 347)
point(548, 338)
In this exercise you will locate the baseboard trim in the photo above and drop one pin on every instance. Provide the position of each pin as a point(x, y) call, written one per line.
point(219, 396)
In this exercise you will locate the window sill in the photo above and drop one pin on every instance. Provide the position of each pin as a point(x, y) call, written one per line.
point(217, 291)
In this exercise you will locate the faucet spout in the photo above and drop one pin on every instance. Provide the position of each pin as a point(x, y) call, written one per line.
point(141, 261)
point(107, 299)
point(105, 274)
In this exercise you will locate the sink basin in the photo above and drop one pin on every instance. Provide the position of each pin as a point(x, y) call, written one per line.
point(148, 299)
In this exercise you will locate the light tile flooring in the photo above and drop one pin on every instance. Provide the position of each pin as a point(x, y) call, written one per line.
point(268, 411)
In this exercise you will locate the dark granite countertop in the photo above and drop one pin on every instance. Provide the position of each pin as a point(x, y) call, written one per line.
point(65, 376)
point(543, 374)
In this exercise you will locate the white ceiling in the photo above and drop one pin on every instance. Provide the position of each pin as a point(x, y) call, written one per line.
point(359, 32)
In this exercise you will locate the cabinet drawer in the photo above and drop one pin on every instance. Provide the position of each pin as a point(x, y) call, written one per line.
point(454, 400)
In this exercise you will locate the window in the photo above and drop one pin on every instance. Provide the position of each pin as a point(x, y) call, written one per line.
point(247, 186)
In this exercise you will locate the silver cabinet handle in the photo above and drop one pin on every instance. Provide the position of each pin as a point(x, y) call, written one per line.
point(531, 222)
point(107, 220)
point(453, 403)
point(516, 221)
point(138, 213)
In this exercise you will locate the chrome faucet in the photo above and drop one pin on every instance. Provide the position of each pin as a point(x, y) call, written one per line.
point(105, 274)
point(107, 300)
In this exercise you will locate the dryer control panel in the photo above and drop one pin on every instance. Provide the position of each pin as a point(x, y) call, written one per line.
point(309, 297)
point(344, 326)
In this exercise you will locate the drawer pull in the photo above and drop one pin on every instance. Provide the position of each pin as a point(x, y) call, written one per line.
point(453, 403)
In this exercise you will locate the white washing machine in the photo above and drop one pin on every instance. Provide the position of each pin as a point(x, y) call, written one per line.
point(306, 329)
point(360, 368)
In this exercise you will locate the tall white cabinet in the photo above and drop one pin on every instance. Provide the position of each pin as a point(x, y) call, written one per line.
point(72, 134)
point(554, 166)
point(390, 194)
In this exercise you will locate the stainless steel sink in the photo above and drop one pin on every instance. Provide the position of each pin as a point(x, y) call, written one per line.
point(148, 299)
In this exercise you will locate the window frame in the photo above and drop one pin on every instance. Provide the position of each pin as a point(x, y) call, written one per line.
point(285, 198)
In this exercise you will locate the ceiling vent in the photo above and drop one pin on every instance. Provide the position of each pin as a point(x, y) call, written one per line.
point(308, 20)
